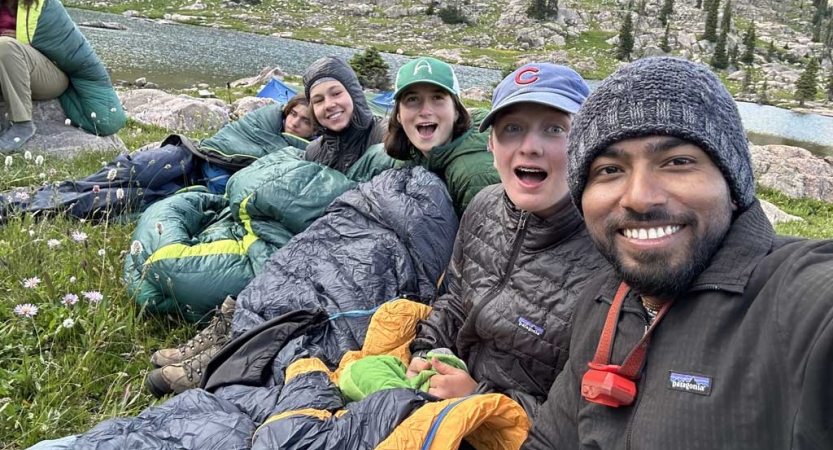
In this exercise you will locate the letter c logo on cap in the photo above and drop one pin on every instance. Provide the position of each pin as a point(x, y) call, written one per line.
point(521, 80)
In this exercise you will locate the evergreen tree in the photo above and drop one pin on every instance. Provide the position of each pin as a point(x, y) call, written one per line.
point(747, 81)
point(699, 4)
point(726, 22)
point(537, 9)
point(664, 45)
point(764, 97)
point(733, 56)
point(710, 32)
point(770, 51)
point(749, 44)
point(720, 59)
point(829, 87)
point(371, 69)
point(552, 8)
point(625, 49)
point(666, 11)
point(807, 85)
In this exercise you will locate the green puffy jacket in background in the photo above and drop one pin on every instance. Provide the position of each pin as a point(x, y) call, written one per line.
point(90, 100)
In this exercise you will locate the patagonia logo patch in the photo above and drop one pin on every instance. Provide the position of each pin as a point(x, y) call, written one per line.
point(696, 384)
point(529, 326)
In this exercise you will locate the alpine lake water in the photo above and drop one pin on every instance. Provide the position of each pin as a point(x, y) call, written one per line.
point(179, 56)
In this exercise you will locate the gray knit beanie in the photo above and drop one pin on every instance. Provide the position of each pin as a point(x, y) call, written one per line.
point(663, 96)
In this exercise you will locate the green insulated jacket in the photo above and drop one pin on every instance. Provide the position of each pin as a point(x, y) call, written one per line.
point(465, 164)
point(89, 101)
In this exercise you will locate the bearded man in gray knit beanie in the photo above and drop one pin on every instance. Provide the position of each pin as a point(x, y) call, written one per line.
point(711, 331)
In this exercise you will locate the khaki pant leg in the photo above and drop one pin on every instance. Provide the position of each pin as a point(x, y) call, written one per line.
point(26, 74)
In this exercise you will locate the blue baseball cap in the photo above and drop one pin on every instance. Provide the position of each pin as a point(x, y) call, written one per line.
point(547, 84)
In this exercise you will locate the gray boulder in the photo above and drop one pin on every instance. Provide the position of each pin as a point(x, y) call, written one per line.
point(775, 215)
point(54, 137)
point(174, 112)
point(245, 105)
point(794, 171)
point(263, 77)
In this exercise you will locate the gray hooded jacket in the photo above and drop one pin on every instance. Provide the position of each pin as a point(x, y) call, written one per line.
point(340, 150)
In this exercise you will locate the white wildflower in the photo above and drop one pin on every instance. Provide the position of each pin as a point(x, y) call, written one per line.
point(52, 243)
point(39, 160)
point(67, 122)
point(79, 236)
point(119, 193)
point(73, 279)
point(112, 109)
point(69, 300)
point(101, 252)
point(31, 283)
point(68, 323)
point(27, 310)
point(9, 161)
point(111, 174)
point(159, 228)
point(136, 248)
point(17, 139)
point(42, 176)
point(31, 233)
point(28, 155)
point(92, 115)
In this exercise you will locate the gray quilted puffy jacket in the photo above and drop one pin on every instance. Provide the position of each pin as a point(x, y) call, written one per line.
point(512, 284)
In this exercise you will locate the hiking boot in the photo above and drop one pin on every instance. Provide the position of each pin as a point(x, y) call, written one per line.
point(218, 332)
point(178, 378)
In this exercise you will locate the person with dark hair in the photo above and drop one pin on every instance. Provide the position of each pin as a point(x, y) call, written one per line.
point(296, 117)
point(339, 114)
point(711, 331)
point(429, 126)
point(43, 56)
point(522, 254)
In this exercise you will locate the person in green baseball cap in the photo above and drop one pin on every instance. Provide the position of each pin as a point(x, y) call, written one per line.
point(429, 126)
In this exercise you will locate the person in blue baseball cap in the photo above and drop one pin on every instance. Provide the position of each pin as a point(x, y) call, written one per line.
point(522, 253)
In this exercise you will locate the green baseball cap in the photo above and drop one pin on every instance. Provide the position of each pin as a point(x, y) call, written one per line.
point(427, 70)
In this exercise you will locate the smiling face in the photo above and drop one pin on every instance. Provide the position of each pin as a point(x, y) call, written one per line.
point(658, 208)
point(332, 105)
point(530, 146)
point(297, 122)
point(427, 115)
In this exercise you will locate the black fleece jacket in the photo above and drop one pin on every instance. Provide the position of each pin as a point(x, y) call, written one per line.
point(754, 333)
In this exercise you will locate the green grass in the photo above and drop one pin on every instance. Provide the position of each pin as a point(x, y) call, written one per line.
point(56, 381)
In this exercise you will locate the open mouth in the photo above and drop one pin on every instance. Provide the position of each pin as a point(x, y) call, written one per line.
point(530, 174)
point(650, 233)
point(335, 116)
point(426, 130)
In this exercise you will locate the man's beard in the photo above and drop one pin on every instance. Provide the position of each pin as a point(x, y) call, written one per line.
point(653, 274)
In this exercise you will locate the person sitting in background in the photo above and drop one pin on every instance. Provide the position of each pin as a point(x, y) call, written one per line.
point(44, 56)
point(522, 254)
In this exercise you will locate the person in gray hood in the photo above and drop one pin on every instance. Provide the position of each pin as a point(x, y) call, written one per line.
point(339, 114)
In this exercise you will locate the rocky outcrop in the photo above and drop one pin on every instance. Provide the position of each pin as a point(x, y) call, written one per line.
point(263, 77)
point(777, 216)
point(54, 137)
point(794, 171)
point(179, 113)
point(245, 105)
